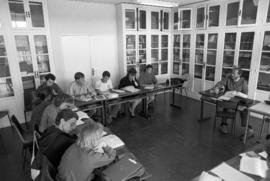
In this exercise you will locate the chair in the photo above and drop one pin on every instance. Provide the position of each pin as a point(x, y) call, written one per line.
point(26, 138)
point(226, 110)
point(3, 114)
point(265, 119)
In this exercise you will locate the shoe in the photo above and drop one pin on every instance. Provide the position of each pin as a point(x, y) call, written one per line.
point(250, 134)
point(223, 129)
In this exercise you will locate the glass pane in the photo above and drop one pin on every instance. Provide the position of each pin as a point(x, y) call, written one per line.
point(155, 68)
point(142, 41)
point(186, 55)
point(4, 67)
point(176, 54)
point(199, 56)
point(142, 67)
point(164, 55)
point(211, 57)
point(230, 39)
point(142, 56)
point(175, 21)
point(245, 75)
point(247, 41)
point(210, 73)
point(228, 58)
point(166, 21)
point(200, 18)
point(154, 55)
point(28, 82)
point(154, 41)
point(2, 47)
point(185, 68)
point(164, 68)
point(131, 56)
point(130, 42)
point(142, 48)
point(212, 41)
point(232, 14)
point(249, 12)
point(198, 71)
point(130, 18)
point(164, 41)
point(185, 19)
point(200, 41)
point(176, 41)
point(6, 87)
point(41, 44)
point(244, 60)
point(154, 20)
point(37, 16)
point(213, 16)
point(226, 73)
point(142, 19)
point(266, 41)
point(17, 13)
point(186, 41)
point(43, 63)
point(268, 14)
point(264, 81)
point(265, 62)
point(25, 63)
point(176, 68)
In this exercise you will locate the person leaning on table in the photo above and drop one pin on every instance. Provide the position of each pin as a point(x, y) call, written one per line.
point(235, 83)
point(81, 159)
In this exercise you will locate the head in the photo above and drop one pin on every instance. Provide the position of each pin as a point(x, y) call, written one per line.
point(79, 78)
point(50, 79)
point(132, 73)
point(236, 73)
point(45, 93)
point(66, 120)
point(89, 135)
point(62, 101)
point(149, 69)
point(105, 76)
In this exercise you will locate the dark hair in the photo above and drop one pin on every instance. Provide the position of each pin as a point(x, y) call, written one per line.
point(132, 71)
point(148, 66)
point(65, 114)
point(78, 75)
point(59, 99)
point(240, 71)
point(106, 74)
point(44, 92)
point(50, 76)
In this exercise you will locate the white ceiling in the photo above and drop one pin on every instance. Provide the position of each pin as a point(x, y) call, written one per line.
point(181, 2)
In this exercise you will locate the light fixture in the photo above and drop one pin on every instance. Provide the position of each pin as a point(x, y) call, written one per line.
point(158, 3)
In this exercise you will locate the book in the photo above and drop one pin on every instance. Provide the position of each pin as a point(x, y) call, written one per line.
point(82, 115)
point(111, 140)
point(254, 166)
point(131, 89)
point(111, 95)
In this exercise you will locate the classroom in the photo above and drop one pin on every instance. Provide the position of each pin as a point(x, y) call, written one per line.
point(132, 90)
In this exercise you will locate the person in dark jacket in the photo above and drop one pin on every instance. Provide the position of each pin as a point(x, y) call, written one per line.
point(130, 80)
point(50, 82)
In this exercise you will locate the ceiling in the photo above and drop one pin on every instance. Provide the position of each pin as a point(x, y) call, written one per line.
point(181, 2)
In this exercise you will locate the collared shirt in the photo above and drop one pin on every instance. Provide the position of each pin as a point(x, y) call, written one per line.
point(76, 90)
point(146, 78)
point(102, 86)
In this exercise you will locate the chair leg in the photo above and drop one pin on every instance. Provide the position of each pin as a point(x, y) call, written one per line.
point(261, 131)
point(215, 122)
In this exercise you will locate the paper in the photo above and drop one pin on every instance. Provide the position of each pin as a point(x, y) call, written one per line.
point(81, 115)
point(111, 95)
point(207, 177)
point(118, 91)
point(110, 140)
point(263, 154)
point(131, 89)
point(228, 173)
point(254, 166)
point(149, 87)
point(225, 98)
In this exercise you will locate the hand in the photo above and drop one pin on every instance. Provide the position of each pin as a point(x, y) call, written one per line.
point(107, 149)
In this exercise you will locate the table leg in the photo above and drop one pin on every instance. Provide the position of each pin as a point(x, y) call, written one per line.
point(201, 113)
point(145, 109)
point(173, 102)
point(104, 115)
point(246, 129)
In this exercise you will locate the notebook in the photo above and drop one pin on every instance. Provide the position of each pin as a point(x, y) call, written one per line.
point(123, 169)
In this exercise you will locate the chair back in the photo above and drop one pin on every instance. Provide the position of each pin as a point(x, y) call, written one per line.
point(18, 127)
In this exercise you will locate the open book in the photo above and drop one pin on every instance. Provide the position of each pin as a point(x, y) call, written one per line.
point(111, 140)
point(111, 95)
point(130, 89)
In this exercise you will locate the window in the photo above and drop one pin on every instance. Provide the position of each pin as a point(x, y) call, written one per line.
point(199, 54)
point(211, 56)
point(213, 16)
point(249, 12)
point(130, 18)
point(200, 20)
point(154, 20)
point(17, 12)
point(142, 16)
point(232, 14)
point(176, 54)
point(130, 49)
point(175, 20)
point(268, 14)
point(185, 19)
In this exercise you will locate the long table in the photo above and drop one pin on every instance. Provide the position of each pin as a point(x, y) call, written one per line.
point(104, 104)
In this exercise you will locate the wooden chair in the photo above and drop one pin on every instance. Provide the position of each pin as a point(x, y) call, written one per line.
point(25, 136)
point(226, 110)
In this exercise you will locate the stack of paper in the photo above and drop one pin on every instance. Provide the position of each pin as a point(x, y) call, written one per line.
point(119, 91)
point(110, 140)
point(254, 166)
point(207, 177)
point(131, 89)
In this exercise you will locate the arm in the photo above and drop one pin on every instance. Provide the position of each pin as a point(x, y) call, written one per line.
point(136, 82)
point(57, 89)
point(102, 159)
point(154, 80)
point(70, 90)
point(245, 87)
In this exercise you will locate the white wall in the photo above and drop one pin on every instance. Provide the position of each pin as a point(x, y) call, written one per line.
point(88, 19)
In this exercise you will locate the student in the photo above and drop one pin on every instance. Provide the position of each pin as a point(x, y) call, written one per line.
point(148, 78)
point(235, 83)
point(56, 139)
point(79, 86)
point(50, 82)
point(45, 96)
point(59, 103)
point(104, 86)
point(130, 80)
point(81, 158)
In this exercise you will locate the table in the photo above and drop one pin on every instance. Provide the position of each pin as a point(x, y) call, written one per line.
point(260, 108)
point(235, 161)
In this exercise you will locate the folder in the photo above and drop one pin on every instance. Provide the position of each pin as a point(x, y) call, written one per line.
point(123, 169)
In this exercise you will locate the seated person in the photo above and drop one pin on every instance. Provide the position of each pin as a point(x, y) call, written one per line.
point(50, 82)
point(130, 80)
point(59, 103)
point(45, 96)
point(56, 139)
point(148, 78)
point(104, 86)
point(235, 83)
point(81, 158)
point(79, 86)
